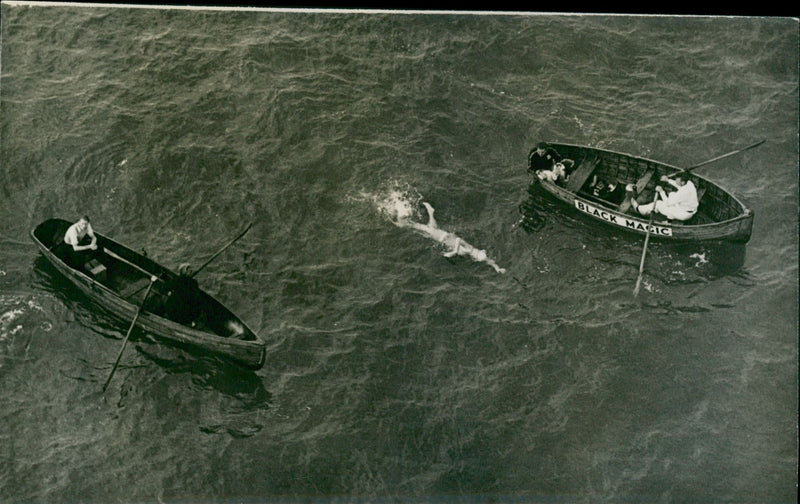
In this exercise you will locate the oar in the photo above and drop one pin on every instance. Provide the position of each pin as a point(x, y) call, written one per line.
point(222, 250)
point(718, 158)
point(125, 342)
point(644, 250)
point(122, 259)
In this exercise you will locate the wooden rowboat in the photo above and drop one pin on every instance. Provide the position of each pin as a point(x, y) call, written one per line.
point(720, 216)
point(118, 282)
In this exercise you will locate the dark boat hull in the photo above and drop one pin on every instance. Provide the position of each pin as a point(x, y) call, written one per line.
point(721, 216)
point(224, 335)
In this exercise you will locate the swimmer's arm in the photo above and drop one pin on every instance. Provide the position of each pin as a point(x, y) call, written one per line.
point(431, 219)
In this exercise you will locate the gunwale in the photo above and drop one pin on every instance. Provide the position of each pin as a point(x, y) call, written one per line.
point(246, 349)
point(721, 216)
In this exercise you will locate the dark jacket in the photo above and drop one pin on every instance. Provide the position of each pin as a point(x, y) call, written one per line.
point(543, 161)
point(183, 303)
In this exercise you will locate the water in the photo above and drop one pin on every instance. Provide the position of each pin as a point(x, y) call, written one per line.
point(392, 372)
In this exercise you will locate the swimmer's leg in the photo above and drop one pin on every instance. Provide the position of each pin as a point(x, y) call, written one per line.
point(496, 266)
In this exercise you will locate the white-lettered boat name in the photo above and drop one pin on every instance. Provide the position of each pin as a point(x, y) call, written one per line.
point(620, 220)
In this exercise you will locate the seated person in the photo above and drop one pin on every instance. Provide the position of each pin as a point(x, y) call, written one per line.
point(611, 191)
point(557, 175)
point(542, 158)
point(183, 298)
point(680, 204)
point(80, 244)
point(569, 166)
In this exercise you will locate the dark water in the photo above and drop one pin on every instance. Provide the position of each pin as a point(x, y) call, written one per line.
point(392, 371)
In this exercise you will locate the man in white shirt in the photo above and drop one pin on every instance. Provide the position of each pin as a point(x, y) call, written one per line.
point(680, 204)
point(78, 251)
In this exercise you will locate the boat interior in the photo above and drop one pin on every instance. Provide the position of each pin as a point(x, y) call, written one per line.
point(128, 275)
point(602, 177)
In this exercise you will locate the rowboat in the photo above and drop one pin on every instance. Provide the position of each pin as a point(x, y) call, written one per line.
point(720, 216)
point(118, 279)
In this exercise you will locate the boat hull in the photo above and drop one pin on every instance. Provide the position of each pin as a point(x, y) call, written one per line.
point(249, 353)
point(724, 218)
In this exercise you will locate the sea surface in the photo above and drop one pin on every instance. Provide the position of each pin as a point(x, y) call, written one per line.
point(393, 373)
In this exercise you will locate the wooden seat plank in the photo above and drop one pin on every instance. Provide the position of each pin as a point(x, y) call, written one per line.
point(642, 182)
point(639, 187)
point(579, 176)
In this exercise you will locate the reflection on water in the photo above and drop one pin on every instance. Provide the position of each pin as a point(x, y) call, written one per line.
point(238, 396)
point(534, 209)
point(211, 373)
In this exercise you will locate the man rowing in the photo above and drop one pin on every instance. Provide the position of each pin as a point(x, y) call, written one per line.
point(681, 204)
point(183, 302)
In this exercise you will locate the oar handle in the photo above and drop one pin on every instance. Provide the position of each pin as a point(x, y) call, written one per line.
point(129, 263)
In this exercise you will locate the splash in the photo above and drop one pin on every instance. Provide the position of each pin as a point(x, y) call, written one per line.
point(8, 326)
point(701, 259)
point(399, 204)
point(15, 313)
point(396, 202)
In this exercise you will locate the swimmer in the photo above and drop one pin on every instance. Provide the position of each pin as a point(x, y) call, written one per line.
point(456, 245)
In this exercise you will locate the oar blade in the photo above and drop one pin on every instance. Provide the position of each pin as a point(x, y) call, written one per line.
point(725, 155)
point(644, 249)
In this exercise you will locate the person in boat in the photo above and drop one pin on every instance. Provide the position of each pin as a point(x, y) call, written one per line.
point(80, 243)
point(542, 158)
point(559, 173)
point(680, 204)
point(608, 190)
point(183, 302)
point(456, 245)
